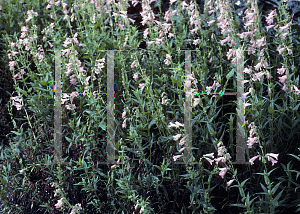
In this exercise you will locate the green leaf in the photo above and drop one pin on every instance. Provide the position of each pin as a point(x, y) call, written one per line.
point(230, 74)
point(23, 92)
point(102, 125)
point(43, 83)
point(68, 139)
point(275, 188)
point(151, 124)
point(17, 133)
point(48, 96)
point(3, 181)
point(78, 122)
point(270, 110)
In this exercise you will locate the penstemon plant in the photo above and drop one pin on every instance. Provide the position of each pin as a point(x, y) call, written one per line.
point(150, 123)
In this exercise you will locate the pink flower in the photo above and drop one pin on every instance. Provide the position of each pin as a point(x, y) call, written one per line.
point(22, 71)
point(251, 160)
point(181, 149)
point(164, 101)
point(281, 70)
point(124, 113)
point(76, 209)
point(257, 76)
point(222, 159)
point(230, 182)
point(261, 42)
point(284, 28)
point(251, 141)
point(182, 141)
point(17, 102)
point(141, 86)
point(268, 27)
point(271, 157)
point(246, 104)
point(284, 35)
point(175, 157)
point(210, 22)
point(124, 123)
point(59, 204)
point(222, 172)
point(134, 64)
point(282, 79)
point(297, 91)
point(196, 102)
point(71, 107)
point(176, 137)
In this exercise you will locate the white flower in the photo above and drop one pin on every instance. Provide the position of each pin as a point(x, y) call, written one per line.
point(59, 203)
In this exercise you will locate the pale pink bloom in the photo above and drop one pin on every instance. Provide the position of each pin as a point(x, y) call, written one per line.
point(123, 114)
point(272, 155)
point(176, 137)
point(297, 91)
point(210, 155)
point(113, 166)
point(196, 102)
point(167, 62)
point(182, 141)
point(22, 71)
point(251, 141)
point(164, 101)
point(158, 41)
point(178, 124)
point(171, 35)
point(145, 34)
point(73, 80)
point(230, 182)
point(76, 208)
point(222, 172)
point(11, 65)
point(134, 64)
point(281, 70)
point(247, 70)
point(183, 4)
point(246, 104)
point(211, 11)
point(17, 76)
point(17, 102)
point(0, 8)
point(258, 66)
point(261, 42)
point(181, 149)
point(284, 35)
point(67, 42)
point(141, 86)
point(284, 87)
point(124, 123)
point(175, 157)
point(209, 160)
point(210, 22)
point(59, 203)
point(270, 92)
point(251, 160)
point(224, 40)
point(244, 81)
point(257, 76)
point(71, 106)
point(282, 79)
point(222, 159)
point(280, 50)
point(268, 27)
point(221, 150)
point(284, 28)
point(289, 51)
